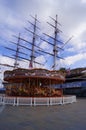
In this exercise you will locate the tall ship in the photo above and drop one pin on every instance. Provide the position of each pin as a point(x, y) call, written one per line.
point(34, 81)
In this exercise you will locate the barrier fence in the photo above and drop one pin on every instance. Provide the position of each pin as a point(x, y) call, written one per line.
point(36, 100)
point(24, 101)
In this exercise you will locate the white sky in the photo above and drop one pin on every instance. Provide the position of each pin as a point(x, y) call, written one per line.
point(71, 14)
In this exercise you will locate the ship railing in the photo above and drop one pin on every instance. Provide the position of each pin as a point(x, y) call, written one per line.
point(35, 101)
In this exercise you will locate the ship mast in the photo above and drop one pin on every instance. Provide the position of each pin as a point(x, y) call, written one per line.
point(55, 45)
point(55, 41)
point(32, 61)
point(33, 42)
point(17, 53)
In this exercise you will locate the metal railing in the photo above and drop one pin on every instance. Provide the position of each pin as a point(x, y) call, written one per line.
point(41, 101)
point(36, 100)
point(9, 100)
point(24, 101)
point(56, 100)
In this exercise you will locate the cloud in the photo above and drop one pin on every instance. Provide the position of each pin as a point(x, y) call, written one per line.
point(40, 59)
point(6, 60)
point(44, 45)
point(71, 60)
point(71, 15)
point(83, 1)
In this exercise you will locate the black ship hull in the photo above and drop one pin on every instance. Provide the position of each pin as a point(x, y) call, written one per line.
point(77, 88)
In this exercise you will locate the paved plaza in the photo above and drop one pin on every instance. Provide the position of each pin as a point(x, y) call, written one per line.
point(61, 117)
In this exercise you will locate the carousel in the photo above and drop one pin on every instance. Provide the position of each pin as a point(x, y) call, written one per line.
point(33, 82)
